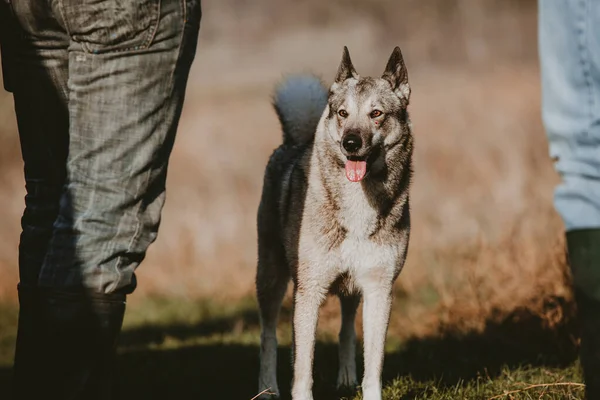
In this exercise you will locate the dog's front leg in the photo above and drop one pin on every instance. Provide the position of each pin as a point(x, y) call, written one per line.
point(306, 314)
point(376, 314)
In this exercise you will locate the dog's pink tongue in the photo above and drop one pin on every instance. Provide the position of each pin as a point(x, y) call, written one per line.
point(356, 170)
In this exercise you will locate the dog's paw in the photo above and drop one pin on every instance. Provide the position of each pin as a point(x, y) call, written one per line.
point(347, 391)
point(347, 379)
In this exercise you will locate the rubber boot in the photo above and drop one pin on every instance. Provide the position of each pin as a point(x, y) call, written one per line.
point(67, 346)
point(27, 347)
point(584, 258)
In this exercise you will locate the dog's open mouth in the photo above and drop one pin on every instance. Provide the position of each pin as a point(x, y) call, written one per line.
point(356, 169)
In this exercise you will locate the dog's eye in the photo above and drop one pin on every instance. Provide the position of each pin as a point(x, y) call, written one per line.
point(375, 113)
point(343, 113)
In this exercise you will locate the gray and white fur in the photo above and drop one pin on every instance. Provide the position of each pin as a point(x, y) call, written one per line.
point(328, 225)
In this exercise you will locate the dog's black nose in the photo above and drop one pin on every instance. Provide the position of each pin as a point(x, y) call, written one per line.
point(352, 143)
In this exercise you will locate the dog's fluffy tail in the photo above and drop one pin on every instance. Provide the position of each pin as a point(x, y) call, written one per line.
point(299, 102)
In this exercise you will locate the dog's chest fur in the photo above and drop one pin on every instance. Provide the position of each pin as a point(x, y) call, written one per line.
point(360, 252)
point(355, 214)
point(346, 234)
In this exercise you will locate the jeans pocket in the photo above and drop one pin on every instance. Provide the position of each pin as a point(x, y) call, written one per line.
point(103, 26)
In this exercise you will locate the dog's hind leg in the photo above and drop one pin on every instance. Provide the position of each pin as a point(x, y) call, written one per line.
point(271, 285)
point(347, 346)
point(376, 314)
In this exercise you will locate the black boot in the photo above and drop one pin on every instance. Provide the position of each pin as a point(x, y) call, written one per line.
point(584, 258)
point(27, 350)
point(72, 348)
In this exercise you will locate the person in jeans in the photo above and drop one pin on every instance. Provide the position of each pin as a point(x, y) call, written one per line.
point(569, 51)
point(98, 90)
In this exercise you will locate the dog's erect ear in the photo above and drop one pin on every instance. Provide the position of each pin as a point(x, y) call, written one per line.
point(396, 74)
point(346, 69)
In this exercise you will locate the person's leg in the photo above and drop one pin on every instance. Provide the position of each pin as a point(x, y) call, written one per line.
point(569, 44)
point(35, 69)
point(127, 81)
point(39, 86)
point(127, 71)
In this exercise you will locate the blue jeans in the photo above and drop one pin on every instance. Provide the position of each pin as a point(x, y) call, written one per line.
point(569, 49)
point(98, 89)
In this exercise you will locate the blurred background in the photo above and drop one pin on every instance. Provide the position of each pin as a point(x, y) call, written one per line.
point(486, 245)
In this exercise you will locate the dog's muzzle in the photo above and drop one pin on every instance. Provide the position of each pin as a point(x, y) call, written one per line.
point(356, 151)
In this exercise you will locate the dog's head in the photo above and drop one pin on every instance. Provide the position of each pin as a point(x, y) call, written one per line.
point(367, 116)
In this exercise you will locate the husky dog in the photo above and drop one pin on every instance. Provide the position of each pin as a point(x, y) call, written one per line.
point(334, 217)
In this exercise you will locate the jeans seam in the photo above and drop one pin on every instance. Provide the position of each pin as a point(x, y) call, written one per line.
point(180, 45)
point(584, 60)
point(152, 34)
point(62, 14)
point(136, 233)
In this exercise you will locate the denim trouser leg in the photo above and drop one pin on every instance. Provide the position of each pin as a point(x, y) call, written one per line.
point(98, 87)
point(122, 74)
point(36, 71)
point(569, 47)
point(569, 44)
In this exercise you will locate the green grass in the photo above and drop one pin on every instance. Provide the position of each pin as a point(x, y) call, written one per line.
point(519, 383)
point(8, 333)
point(204, 350)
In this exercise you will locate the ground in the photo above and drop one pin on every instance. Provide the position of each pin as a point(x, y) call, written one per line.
point(197, 350)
